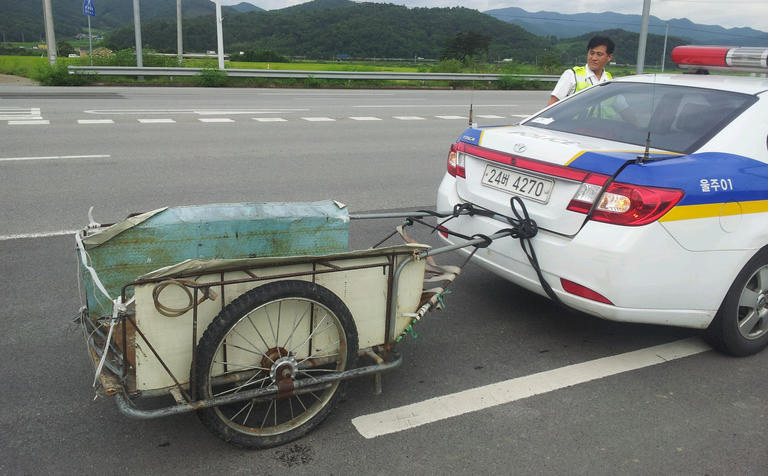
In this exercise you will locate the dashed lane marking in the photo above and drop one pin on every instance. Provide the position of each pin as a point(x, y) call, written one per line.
point(156, 121)
point(319, 119)
point(452, 117)
point(490, 116)
point(95, 121)
point(475, 399)
point(365, 118)
point(215, 119)
point(55, 157)
point(36, 122)
point(409, 118)
point(269, 119)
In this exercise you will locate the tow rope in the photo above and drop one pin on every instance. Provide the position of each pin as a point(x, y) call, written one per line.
point(523, 228)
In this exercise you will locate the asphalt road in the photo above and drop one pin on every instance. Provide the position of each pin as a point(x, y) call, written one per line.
point(701, 414)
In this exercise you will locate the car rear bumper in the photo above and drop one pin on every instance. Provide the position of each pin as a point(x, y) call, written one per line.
point(643, 271)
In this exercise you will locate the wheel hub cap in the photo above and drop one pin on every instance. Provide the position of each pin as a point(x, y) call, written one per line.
point(283, 368)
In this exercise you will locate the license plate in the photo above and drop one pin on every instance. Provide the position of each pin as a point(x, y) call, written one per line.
point(528, 186)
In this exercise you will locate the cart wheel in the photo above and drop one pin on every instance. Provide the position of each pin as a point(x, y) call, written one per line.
point(275, 335)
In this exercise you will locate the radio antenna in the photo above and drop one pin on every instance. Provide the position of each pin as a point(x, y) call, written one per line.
point(647, 154)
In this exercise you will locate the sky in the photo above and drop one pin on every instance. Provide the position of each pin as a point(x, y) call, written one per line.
point(726, 13)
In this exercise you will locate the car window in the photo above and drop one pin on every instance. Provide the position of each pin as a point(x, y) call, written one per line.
point(679, 118)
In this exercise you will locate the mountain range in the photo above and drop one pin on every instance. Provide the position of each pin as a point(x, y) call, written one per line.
point(322, 28)
point(570, 25)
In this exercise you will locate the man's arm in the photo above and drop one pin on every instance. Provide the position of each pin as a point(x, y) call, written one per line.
point(563, 87)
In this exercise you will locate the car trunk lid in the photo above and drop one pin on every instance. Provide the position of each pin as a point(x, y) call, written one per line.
point(545, 168)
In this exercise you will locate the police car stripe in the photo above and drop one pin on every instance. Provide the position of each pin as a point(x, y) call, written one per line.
point(709, 210)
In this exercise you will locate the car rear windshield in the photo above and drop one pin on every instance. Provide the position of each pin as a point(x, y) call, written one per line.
point(680, 119)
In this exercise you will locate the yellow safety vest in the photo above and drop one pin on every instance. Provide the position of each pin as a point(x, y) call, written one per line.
point(580, 72)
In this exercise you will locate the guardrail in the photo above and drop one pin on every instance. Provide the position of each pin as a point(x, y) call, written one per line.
point(286, 73)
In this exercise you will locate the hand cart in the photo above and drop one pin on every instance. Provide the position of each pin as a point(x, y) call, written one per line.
point(258, 345)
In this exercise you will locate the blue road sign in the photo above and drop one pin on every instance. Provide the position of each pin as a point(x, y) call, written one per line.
point(88, 8)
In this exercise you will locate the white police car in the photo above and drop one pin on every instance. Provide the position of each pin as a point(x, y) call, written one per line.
point(650, 193)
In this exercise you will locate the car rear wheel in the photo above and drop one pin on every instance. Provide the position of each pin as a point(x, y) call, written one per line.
point(740, 327)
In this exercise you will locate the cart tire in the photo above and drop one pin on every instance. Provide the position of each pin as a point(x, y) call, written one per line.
point(277, 334)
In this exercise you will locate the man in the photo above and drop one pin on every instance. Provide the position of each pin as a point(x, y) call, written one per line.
point(599, 53)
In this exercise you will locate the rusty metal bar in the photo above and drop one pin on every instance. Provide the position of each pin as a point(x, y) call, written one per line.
point(126, 406)
point(260, 278)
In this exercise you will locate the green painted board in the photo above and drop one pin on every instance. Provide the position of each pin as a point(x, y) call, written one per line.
point(218, 231)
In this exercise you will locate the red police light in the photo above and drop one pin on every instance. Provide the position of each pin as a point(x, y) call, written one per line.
point(742, 58)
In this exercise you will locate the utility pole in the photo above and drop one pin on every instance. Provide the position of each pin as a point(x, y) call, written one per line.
point(50, 36)
point(179, 39)
point(643, 36)
point(664, 51)
point(219, 35)
point(137, 32)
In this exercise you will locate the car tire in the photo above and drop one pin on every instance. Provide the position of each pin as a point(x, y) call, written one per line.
point(740, 327)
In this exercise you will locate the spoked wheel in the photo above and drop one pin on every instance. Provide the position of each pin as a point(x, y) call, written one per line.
point(741, 325)
point(280, 335)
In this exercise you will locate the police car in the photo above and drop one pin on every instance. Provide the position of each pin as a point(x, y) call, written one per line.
point(650, 194)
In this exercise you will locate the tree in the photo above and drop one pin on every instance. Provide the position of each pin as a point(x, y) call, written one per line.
point(465, 45)
point(64, 49)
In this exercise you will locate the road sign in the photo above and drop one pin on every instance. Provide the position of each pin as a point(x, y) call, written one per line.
point(88, 8)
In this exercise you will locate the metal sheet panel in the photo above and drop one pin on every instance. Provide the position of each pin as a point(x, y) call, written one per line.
point(239, 230)
point(364, 291)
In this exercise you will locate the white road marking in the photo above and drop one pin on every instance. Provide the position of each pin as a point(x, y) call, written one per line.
point(490, 116)
point(318, 119)
point(156, 121)
point(520, 115)
point(475, 399)
point(37, 235)
point(215, 119)
point(452, 117)
point(201, 112)
point(56, 157)
point(18, 113)
point(36, 122)
point(409, 118)
point(407, 106)
point(95, 121)
point(365, 118)
point(269, 119)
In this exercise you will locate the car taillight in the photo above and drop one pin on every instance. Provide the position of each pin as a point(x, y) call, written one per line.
point(583, 291)
point(456, 162)
point(625, 204)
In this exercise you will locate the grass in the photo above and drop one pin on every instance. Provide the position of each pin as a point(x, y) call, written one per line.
point(26, 66)
point(36, 67)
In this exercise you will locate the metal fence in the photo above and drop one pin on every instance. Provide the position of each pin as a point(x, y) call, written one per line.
point(273, 73)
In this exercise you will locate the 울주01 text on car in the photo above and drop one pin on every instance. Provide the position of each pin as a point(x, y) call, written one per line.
point(650, 194)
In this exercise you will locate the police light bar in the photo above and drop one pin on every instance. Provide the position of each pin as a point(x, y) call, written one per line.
point(743, 58)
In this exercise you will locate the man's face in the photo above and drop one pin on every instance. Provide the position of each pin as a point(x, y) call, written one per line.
point(598, 57)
